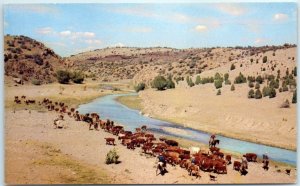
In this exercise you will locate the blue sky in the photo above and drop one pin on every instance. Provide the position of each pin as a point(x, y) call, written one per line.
point(74, 28)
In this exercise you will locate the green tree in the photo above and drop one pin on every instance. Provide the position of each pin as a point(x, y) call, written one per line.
point(159, 83)
point(170, 83)
point(226, 76)
point(251, 93)
point(63, 76)
point(232, 67)
point(258, 94)
point(294, 99)
point(259, 79)
point(265, 59)
point(198, 80)
point(139, 87)
point(272, 93)
point(232, 88)
point(77, 77)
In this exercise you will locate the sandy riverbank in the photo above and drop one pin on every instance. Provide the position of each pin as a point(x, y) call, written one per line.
point(231, 114)
point(88, 149)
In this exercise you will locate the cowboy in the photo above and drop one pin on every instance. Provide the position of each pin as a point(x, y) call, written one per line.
point(211, 140)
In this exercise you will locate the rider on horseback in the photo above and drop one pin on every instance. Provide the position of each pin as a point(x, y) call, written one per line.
point(211, 140)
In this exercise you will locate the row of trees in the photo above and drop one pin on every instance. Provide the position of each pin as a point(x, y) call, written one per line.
point(64, 76)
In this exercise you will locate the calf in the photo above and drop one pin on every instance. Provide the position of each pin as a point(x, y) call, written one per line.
point(110, 141)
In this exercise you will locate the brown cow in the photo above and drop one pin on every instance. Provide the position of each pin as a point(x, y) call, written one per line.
point(110, 141)
point(228, 159)
point(194, 170)
point(237, 165)
point(250, 157)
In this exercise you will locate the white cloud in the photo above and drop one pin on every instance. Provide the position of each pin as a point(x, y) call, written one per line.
point(45, 30)
point(201, 28)
point(260, 41)
point(280, 17)
point(65, 33)
point(118, 45)
point(75, 35)
point(93, 41)
point(140, 29)
point(231, 9)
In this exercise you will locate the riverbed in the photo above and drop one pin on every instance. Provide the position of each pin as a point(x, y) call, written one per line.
point(108, 108)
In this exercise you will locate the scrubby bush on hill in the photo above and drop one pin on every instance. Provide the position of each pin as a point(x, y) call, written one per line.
point(232, 67)
point(36, 82)
point(77, 77)
point(259, 79)
point(257, 86)
point(219, 92)
point(198, 80)
point(240, 79)
point(294, 99)
point(170, 83)
point(159, 83)
point(266, 91)
point(232, 88)
point(251, 93)
point(63, 76)
point(265, 59)
point(272, 93)
point(258, 94)
point(139, 87)
point(190, 81)
point(285, 104)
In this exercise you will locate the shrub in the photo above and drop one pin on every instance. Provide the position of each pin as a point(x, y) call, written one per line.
point(251, 60)
point(77, 77)
point(274, 84)
point(285, 104)
point(38, 60)
point(198, 80)
point(295, 71)
point(139, 87)
point(240, 79)
point(266, 91)
point(280, 89)
point(250, 84)
point(259, 79)
point(232, 67)
point(272, 93)
point(251, 93)
point(226, 76)
point(159, 82)
point(190, 81)
point(219, 92)
point(36, 82)
point(232, 88)
point(112, 157)
point(170, 83)
point(63, 76)
point(294, 99)
point(265, 59)
point(227, 82)
point(257, 86)
point(218, 83)
point(258, 94)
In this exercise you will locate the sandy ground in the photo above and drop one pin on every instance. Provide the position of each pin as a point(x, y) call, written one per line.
point(25, 132)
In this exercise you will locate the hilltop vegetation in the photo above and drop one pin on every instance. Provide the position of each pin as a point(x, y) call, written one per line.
point(30, 60)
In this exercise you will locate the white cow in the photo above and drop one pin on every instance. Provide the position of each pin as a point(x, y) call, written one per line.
point(194, 150)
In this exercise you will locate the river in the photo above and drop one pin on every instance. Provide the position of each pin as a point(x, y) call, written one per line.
point(108, 107)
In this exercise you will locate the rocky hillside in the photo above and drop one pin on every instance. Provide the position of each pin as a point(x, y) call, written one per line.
point(142, 64)
point(30, 60)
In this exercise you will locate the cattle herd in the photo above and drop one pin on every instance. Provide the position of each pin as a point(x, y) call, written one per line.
point(192, 159)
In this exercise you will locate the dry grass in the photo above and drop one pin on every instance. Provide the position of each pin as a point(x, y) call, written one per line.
point(133, 102)
point(80, 174)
